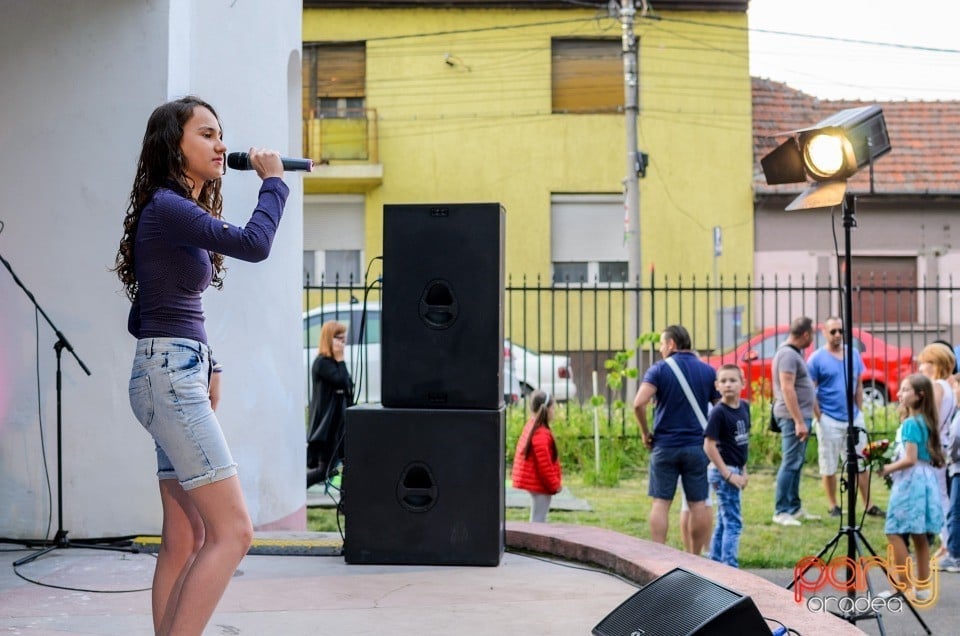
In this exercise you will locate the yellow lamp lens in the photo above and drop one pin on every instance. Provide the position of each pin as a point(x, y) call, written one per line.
point(823, 155)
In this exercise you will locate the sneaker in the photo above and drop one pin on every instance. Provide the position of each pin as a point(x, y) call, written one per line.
point(801, 515)
point(785, 519)
point(836, 512)
point(876, 511)
point(922, 595)
point(948, 564)
point(887, 594)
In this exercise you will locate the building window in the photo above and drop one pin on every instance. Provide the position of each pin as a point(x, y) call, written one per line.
point(334, 80)
point(570, 272)
point(612, 271)
point(341, 267)
point(333, 235)
point(310, 268)
point(331, 267)
point(587, 76)
point(340, 107)
point(586, 239)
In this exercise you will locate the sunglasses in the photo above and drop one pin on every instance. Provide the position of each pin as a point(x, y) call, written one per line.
point(834, 332)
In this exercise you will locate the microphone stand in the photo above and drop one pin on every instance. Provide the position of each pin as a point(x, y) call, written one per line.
point(60, 540)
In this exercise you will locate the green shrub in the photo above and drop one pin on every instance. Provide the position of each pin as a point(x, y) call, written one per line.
point(573, 429)
point(622, 453)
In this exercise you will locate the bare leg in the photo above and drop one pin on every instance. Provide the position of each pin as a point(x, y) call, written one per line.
point(922, 549)
point(228, 537)
point(181, 538)
point(659, 521)
point(701, 518)
point(863, 483)
point(685, 532)
point(830, 487)
point(900, 557)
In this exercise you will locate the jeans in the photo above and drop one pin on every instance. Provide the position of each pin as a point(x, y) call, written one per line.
point(953, 518)
point(725, 544)
point(788, 477)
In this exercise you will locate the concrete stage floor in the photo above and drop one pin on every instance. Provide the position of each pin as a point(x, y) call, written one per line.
point(548, 583)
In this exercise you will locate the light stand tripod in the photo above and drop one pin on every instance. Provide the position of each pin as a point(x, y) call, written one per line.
point(60, 540)
point(851, 531)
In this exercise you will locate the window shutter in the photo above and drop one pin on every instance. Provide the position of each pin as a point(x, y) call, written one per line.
point(587, 76)
point(333, 71)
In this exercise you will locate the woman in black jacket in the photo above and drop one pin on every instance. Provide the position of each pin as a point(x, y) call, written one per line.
point(332, 394)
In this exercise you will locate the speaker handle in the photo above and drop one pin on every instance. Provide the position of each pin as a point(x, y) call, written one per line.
point(417, 489)
point(439, 307)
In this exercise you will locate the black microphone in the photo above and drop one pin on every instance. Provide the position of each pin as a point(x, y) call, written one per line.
point(241, 161)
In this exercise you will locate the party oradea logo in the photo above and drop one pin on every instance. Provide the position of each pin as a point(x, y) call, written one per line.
point(840, 585)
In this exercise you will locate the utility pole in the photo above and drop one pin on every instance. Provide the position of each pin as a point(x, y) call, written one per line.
point(631, 182)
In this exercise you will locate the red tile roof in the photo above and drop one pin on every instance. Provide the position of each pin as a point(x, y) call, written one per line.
point(925, 136)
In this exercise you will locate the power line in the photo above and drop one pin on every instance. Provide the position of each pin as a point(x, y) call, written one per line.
point(521, 90)
point(509, 50)
point(656, 19)
point(810, 36)
point(504, 27)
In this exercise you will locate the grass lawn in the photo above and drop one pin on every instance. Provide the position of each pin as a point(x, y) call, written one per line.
point(624, 508)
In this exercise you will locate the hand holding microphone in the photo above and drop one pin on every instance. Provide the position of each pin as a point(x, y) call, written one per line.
point(251, 161)
point(267, 163)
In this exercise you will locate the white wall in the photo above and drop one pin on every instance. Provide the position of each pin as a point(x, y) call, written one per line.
point(77, 83)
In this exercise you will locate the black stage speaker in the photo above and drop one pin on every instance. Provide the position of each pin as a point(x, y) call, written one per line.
point(424, 486)
point(680, 603)
point(442, 323)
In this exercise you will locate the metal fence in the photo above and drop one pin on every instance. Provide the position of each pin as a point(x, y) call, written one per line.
point(591, 322)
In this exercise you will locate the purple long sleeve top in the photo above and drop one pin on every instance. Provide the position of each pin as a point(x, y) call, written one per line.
point(172, 249)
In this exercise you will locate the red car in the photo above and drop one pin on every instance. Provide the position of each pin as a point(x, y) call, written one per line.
point(885, 365)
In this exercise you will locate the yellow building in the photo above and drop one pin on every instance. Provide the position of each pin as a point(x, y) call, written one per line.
point(521, 103)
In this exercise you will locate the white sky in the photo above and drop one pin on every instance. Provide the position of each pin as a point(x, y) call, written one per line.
point(855, 69)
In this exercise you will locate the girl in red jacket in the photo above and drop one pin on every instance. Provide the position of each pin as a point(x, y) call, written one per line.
point(536, 464)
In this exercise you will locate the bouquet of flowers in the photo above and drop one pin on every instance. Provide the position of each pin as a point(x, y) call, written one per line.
point(878, 454)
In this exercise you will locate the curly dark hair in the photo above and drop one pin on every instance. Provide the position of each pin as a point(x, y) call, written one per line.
point(161, 164)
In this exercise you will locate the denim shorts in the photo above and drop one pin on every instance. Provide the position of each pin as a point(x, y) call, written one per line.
point(686, 462)
point(170, 396)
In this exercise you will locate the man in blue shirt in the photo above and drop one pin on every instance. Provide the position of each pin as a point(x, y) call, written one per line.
point(827, 367)
point(676, 440)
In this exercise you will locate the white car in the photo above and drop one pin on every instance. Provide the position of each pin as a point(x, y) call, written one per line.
point(543, 371)
point(363, 361)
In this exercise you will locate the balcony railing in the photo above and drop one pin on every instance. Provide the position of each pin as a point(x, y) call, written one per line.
point(348, 135)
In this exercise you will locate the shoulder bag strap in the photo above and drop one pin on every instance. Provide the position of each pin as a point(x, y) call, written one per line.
point(687, 391)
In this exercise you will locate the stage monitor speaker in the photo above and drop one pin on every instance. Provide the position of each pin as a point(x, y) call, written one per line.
point(681, 603)
point(442, 323)
point(424, 486)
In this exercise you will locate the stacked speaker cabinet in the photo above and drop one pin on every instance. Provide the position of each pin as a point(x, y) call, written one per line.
point(423, 478)
point(442, 306)
point(424, 486)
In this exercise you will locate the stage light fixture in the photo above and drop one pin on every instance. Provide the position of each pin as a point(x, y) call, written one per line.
point(830, 152)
